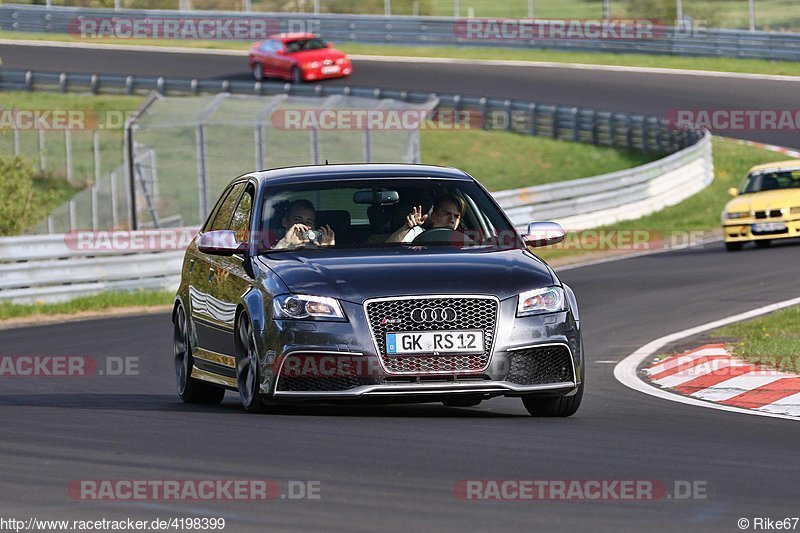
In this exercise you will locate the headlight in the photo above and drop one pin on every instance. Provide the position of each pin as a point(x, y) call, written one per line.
point(340, 61)
point(795, 210)
point(545, 300)
point(313, 64)
point(734, 216)
point(302, 306)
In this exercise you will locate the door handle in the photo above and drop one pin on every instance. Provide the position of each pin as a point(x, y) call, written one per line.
point(191, 265)
point(211, 274)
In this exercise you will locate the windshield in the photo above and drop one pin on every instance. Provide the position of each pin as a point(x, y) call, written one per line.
point(771, 181)
point(302, 45)
point(370, 213)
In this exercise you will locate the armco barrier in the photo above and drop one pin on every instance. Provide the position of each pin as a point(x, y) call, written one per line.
point(52, 268)
point(610, 198)
point(47, 268)
point(431, 31)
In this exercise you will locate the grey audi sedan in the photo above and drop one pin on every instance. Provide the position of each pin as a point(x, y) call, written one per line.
point(374, 282)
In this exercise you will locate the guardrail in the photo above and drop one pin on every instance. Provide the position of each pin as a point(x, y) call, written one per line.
point(634, 131)
point(611, 198)
point(51, 268)
point(432, 31)
point(56, 267)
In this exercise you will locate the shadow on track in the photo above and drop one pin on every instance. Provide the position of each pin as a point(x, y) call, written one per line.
point(165, 403)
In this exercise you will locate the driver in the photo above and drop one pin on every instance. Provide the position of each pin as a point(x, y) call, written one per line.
point(447, 213)
point(299, 226)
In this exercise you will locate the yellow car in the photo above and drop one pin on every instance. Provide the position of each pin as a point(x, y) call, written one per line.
point(765, 207)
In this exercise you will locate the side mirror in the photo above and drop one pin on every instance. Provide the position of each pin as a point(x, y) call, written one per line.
point(543, 234)
point(220, 242)
point(733, 192)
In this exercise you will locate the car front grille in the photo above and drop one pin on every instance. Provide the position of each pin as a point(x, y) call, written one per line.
point(774, 213)
point(394, 315)
point(538, 366)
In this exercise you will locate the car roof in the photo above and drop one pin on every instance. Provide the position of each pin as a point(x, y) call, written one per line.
point(320, 173)
point(288, 37)
point(793, 164)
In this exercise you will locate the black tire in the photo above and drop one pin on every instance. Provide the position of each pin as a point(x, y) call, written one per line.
point(556, 406)
point(248, 374)
point(297, 76)
point(462, 401)
point(733, 246)
point(190, 390)
point(764, 243)
point(258, 71)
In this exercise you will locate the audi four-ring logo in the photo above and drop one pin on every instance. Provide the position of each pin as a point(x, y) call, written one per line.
point(433, 314)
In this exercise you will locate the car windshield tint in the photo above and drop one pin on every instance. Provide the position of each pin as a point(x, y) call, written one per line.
point(301, 45)
point(370, 213)
point(771, 181)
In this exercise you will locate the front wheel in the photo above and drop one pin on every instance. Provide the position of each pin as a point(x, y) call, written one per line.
point(190, 390)
point(248, 375)
point(297, 76)
point(556, 406)
point(258, 71)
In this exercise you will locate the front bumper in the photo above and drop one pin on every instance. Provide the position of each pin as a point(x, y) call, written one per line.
point(742, 230)
point(539, 354)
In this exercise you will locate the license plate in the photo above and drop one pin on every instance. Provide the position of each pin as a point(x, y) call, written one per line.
point(331, 69)
point(765, 227)
point(435, 342)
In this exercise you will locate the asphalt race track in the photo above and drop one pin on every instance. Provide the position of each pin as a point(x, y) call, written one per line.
point(615, 91)
point(393, 468)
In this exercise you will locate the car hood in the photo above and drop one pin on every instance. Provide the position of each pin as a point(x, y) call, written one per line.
point(317, 55)
point(760, 201)
point(357, 275)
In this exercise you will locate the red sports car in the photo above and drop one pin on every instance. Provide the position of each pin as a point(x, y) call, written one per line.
point(297, 57)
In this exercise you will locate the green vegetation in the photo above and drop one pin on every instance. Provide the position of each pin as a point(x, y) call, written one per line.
point(505, 160)
point(753, 66)
point(102, 301)
point(36, 194)
point(772, 340)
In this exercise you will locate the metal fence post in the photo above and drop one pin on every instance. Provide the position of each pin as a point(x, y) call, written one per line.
point(534, 126)
point(113, 185)
point(68, 153)
point(366, 146)
point(96, 153)
point(94, 207)
point(314, 146)
point(456, 9)
point(42, 163)
point(72, 218)
point(316, 7)
point(202, 166)
point(530, 9)
point(258, 140)
point(128, 157)
point(752, 13)
point(387, 7)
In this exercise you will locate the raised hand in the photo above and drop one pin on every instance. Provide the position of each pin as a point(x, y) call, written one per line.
point(416, 218)
point(328, 237)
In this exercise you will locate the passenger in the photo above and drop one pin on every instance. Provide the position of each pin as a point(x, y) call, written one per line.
point(447, 213)
point(299, 225)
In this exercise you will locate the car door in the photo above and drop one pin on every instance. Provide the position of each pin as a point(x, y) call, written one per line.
point(208, 317)
point(230, 280)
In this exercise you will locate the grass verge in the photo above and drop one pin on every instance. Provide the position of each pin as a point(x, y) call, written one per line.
point(104, 301)
point(752, 66)
point(772, 340)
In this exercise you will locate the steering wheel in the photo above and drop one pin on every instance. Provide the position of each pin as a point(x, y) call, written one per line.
point(442, 235)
